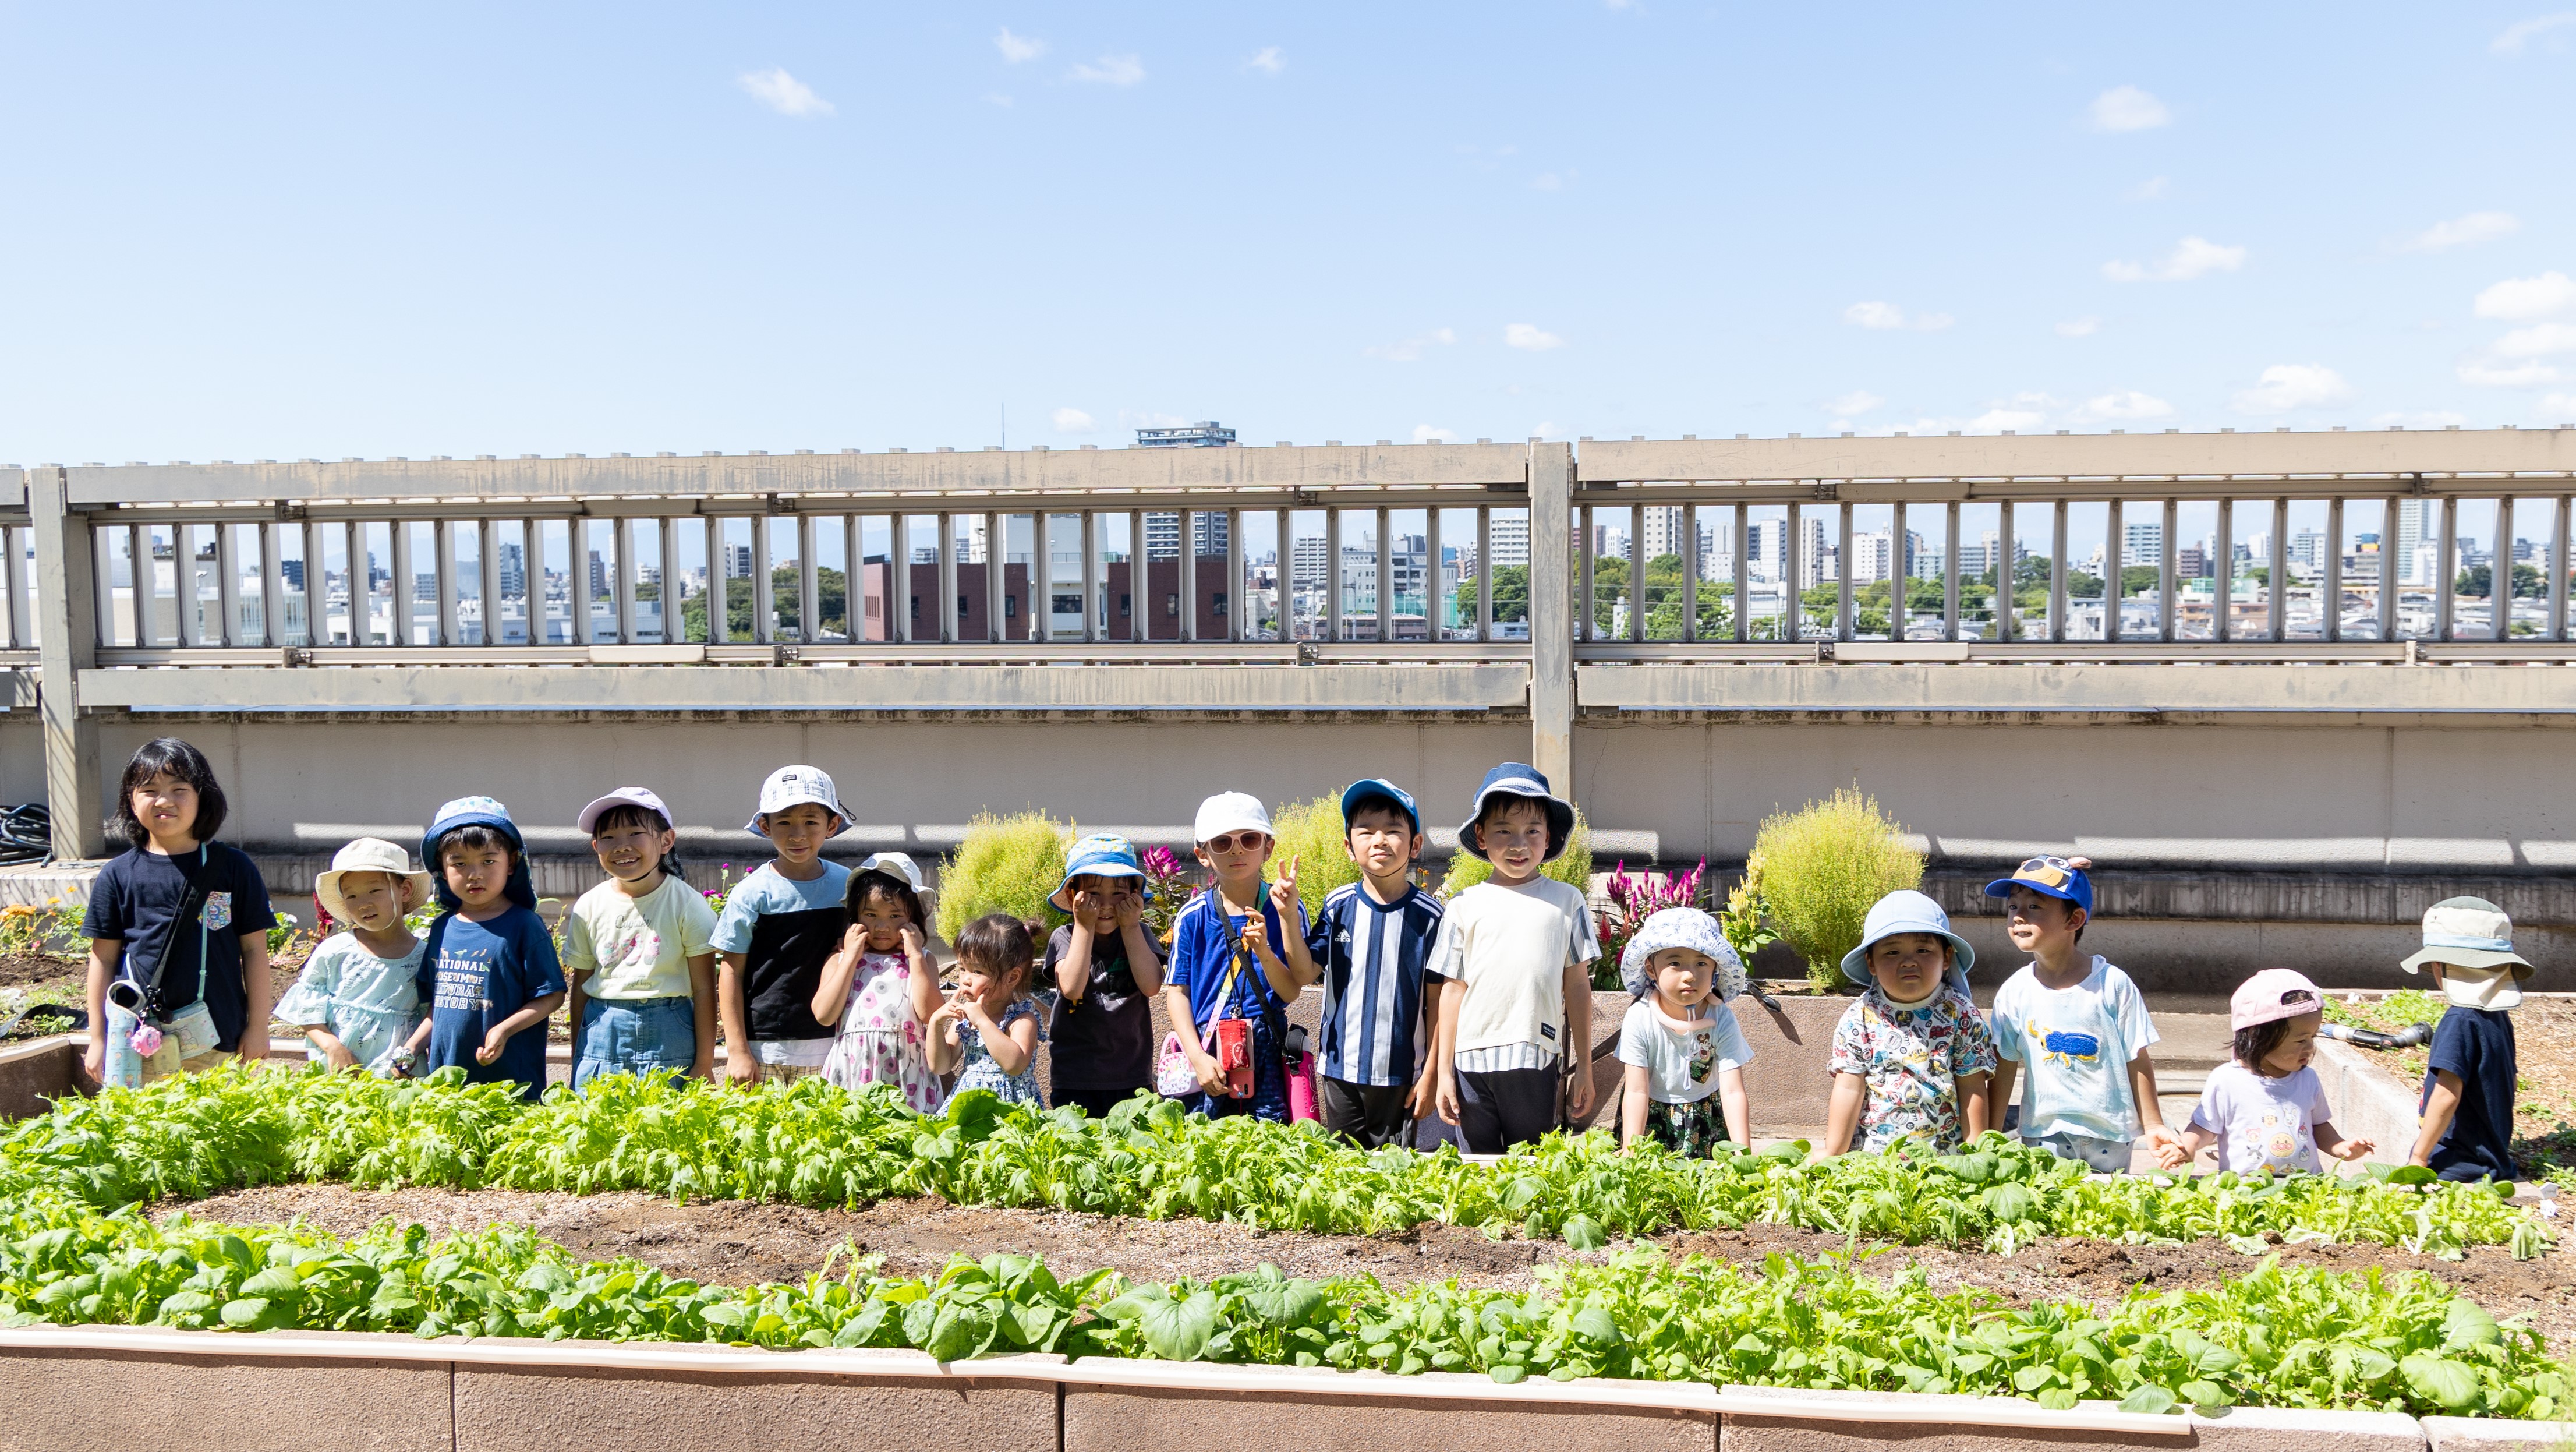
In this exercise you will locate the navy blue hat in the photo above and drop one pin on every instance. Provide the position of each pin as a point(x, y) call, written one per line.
point(478, 812)
point(1379, 789)
point(1519, 779)
point(2049, 877)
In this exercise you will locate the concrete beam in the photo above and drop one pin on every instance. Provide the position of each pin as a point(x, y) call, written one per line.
point(18, 690)
point(1104, 472)
point(2549, 454)
point(1006, 689)
point(1551, 613)
point(2242, 693)
point(68, 644)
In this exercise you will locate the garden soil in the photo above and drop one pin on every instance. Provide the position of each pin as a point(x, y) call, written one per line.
point(738, 1243)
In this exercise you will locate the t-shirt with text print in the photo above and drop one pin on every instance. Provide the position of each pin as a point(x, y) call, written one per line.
point(472, 976)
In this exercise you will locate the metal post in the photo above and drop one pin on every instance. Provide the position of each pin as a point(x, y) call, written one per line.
point(1551, 481)
point(1637, 573)
point(1385, 576)
point(2115, 569)
point(2057, 567)
point(1843, 579)
point(317, 583)
point(1900, 571)
point(2166, 584)
point(2500, 574)
point(2388, 564)
point(1950, 577)
point(2330, 613)
point(809, 582)
point(2222, 572)
point(532, 581)
point(1091, 602)
point(577, 577)
point(1283, 533)
point(1332, 574)
point(187, 626)
point(1185, 625)
point(143, 574)
point(272, 584)
point(1238, 598)
point(1793, 615)
point(1485, 567)
point(2276, 596)
point(228, 587)
point(1742, 583)
point(2443, 566)
point(12, 589)
point(405, 628)
point(2558, 533)
point(1589, 629)
point(67, 644)
point(487, 582)
point(442, 544)
point(1690, 572)
point(1435, 618)
point(2004, 563)
point(997, 549)
point(1136, 626)
point(764, 584)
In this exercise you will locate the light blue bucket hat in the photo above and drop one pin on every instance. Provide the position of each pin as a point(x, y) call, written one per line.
point(1680, 927)
point(1907, 911)
point(1100, 855)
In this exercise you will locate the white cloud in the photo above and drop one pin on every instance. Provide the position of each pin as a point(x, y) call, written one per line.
point(2126, 108)
point(1853, 404)
point(1073, 421)
point(1426, 434)
point(1018, 48)
point(2083, 327)
point(2293, 385)
point(1887, 317)
point(1410, 350)
point(1525, 335)
point(2537, 341)
point(1543, 431)
point(2014, 419)
point(2462, 232)
point(783, 93)
point(2129, 403)
point(2153, 189)
point(1269, 60)
point(2478, 373)
point(2524, 299)
point(1111, 70)
point(2515, 36)
point(2192, 257)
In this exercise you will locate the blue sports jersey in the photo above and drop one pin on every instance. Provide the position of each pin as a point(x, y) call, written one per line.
point(1371, 954)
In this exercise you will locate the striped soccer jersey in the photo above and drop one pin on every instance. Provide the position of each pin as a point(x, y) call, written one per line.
point(1372, 955)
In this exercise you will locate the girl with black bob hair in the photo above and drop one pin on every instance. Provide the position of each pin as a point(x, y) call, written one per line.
point(178, 927)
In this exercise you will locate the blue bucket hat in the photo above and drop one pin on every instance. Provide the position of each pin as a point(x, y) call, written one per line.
point(1518, 779)
point(2049, 877)
point(1379, 789)
point(478, 812)
point(1907, 911)
point(1101, 855)
point(1680, 927)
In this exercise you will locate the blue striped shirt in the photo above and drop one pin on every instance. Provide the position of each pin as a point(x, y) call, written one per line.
point(1372, 955)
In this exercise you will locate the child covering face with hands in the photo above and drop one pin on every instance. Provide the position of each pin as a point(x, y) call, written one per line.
point(1106, 970)
point(987, 1030)
point(882, 988)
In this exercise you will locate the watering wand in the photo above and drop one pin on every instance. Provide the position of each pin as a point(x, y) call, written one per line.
point(2412, 1035)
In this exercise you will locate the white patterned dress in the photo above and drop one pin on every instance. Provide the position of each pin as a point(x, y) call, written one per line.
point(880, 1041)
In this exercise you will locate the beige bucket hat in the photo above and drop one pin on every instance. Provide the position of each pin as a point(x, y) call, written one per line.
point(369, 854)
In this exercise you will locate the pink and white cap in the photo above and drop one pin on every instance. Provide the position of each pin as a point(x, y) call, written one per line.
point(2272, 995)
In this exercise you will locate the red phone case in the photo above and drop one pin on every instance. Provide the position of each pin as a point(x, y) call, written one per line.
point(1234, 1055)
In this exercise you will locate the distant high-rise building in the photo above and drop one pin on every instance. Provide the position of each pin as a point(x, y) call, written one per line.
point(1659, 530)
point(1511, 539)
point(2192, 562)
point(2308, 549)
point(737, 561)
point(1874, 556)
point(514, 569)
point(599, 576)
point(2419, 524)
point(1163, 534)
point(2143, 543)
point(1206, 435)
point(292, 572)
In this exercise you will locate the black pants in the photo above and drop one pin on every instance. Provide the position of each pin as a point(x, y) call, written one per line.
point(1373, 1114)
point(1505, 1108)
point(1095, 1102)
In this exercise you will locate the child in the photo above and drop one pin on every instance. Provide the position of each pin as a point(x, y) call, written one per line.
point(778, 928)
point(989, 1025)
point(2079, 1023)
point(1512, 952)
point(358, 998)
point(1913, 1055)
point(881, 987)
point(2266, 1110)
point(639, 950)
point(1214, 952)
point(488, 971)
point(1685, 1056)
point(179, 922)
point(2466, 1111)
point(1106, 970)
point(1368, 948)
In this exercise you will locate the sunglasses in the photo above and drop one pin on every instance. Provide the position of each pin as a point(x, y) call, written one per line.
point(1228, 841)
point(2297, 995)
point(2041, 864)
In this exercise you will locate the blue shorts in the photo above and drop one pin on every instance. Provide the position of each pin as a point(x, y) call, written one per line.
point(635, 1036)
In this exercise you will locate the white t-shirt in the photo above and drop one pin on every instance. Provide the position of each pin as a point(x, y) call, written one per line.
point(2075, 1045)
point(1682, 1068)
point(638, 947)
point(2262, 1124)
point(1511, 947)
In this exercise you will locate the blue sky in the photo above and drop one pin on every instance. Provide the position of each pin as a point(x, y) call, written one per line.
point(358, 230)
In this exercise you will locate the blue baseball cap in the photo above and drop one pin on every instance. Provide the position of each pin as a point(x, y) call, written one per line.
point(1376, 789)
point(2049, 877)
point(1100, 855)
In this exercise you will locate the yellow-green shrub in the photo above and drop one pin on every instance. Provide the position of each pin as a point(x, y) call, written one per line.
point(1314, 834)
point(1822, 867)
point(1005, 865)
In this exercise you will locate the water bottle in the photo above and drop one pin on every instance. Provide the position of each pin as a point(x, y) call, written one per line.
point(124, 1067)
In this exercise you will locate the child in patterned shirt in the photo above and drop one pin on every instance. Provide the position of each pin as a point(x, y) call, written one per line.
point(1913, 1056)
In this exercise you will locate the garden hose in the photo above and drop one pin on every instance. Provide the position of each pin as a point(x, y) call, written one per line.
point(26, 834)
point(2406, 1038)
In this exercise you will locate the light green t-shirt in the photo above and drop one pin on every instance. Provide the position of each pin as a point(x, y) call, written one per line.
point(637, 947)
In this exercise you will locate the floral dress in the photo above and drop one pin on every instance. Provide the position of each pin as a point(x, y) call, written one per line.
point(1912, 1060)
point(980, 1072)
point(880, 1041)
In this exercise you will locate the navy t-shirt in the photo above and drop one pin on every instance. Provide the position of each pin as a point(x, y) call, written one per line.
point(133, 899)
point(472, 976)
point(2477, 1045)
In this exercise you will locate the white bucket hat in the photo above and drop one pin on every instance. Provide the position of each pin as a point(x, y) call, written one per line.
point(1907, 911)
point(2472, 939)
point(790, 785)
point(1680, 927)
point(370, 854)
